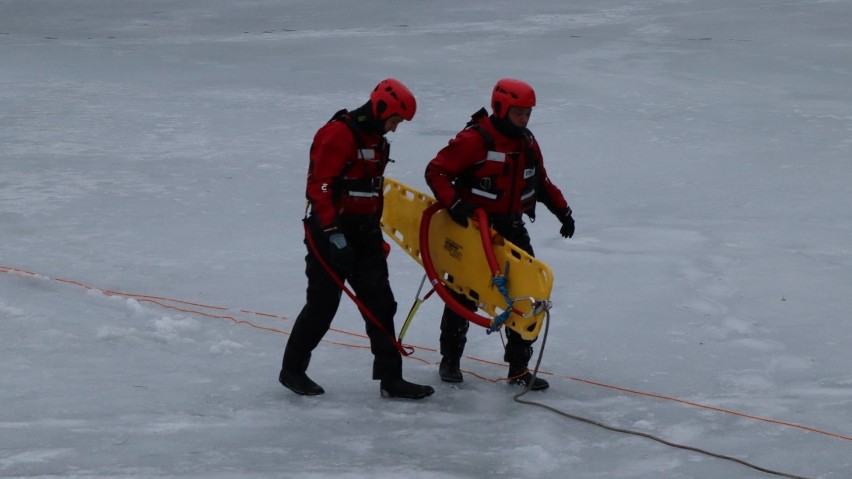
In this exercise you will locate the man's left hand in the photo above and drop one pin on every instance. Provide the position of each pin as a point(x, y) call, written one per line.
point(567, 230)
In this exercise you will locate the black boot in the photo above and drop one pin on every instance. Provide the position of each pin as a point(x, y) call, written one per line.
point(449, 370)
point(522, 377)
point(299, 383)
point(400, 388)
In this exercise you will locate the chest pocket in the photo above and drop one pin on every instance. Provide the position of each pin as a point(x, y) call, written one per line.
point(490, 178)
point(359, 189)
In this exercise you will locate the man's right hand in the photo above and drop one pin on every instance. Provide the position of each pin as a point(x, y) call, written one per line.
point(460, 211)
point(340, 254)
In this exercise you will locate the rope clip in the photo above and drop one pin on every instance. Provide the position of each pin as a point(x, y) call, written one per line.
point(537, 306)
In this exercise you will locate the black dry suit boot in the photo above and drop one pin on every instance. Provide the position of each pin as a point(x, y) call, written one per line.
point(400, 388)
point(449, 370)
point(299, 383)
point(520, 376)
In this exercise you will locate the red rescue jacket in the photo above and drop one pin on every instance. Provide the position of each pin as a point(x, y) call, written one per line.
point(345, 170)
point(501, 174)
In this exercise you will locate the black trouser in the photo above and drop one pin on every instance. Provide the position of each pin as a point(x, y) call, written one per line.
point(454, 327)
point(369, 281)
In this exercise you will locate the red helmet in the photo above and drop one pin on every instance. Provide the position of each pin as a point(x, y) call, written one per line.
point(391, 97)
point(510, 92)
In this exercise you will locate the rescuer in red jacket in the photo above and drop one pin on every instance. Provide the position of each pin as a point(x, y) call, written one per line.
point(495, 164)
point(344, 188)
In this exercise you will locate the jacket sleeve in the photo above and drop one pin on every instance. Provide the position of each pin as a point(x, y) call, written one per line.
point(462, 152)
point(548, 193)
point(332, 145)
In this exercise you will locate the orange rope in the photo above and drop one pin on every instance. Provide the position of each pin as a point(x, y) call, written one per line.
point(160, 301)
point(712, 408)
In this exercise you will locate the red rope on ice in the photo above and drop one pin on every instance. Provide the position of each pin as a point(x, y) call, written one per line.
point(161, 301)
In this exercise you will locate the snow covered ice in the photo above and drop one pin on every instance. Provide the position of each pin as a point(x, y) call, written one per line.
point(152, 167)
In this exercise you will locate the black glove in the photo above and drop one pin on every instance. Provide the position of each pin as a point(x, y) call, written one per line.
point(460, 211)
point(567, 230)
point(340, 254)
